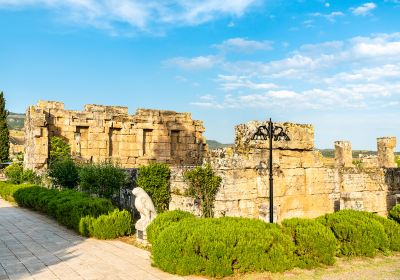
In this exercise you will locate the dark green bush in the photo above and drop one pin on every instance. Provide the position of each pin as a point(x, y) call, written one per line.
point(163, 221)
point(64, 173)
point(103, 179)
point(218, 247)
point(203, 185)
point(107, 226)
point(68, 206)
point(394, 213)
point(154, 179)
point(315, 244)
point(357, 234)
point(7, 190)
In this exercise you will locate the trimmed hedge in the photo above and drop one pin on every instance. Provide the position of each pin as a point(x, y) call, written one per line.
point(315, 244)
point(7, 190)
point(392, 229)
point(357, 234)
point(218, 247)
point(115, 224)
point(163, 221)
point(68, 207)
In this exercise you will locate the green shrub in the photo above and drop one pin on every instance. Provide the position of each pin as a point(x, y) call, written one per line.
point(163, 221)
point(392, 229)
point(59, 149)
point(218, 247)
point(103, 179)
point(154, 179)
point(314, 242)
point(64, 173)
point(398, 161)
point(107, 226)
point(68, 207)
point(394, 213)
point(203, 186)
point(357, 234)
point(14, 173)
point(7, 190)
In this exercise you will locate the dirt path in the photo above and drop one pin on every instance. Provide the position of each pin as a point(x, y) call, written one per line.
point(378, 268)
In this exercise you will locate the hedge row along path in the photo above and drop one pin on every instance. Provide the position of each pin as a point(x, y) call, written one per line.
point(32, 246)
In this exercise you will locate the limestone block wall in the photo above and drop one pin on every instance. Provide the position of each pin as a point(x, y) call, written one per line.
point(99, 133)
point(303, 185)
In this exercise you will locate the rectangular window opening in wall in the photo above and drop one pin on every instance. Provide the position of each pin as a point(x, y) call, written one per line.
point(174, 142)
point(147, 140)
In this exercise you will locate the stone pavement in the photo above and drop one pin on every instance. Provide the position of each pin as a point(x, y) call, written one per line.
point(33, 246)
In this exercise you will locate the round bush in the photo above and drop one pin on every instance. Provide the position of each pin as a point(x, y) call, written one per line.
point(218, 247)
point(314, 242)
point(357, 234)
point(392, 229)
point(163, 221)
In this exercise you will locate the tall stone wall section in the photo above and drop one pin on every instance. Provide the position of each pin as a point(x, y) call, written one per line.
point(99, 133)
point(303, 185)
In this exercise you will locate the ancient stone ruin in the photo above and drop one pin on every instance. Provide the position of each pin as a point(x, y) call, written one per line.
point(305, 183)
point(99, 133)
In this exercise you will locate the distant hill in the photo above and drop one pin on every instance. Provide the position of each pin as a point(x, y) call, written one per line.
point(212, 144)
point(16, 121)
point(330, 153)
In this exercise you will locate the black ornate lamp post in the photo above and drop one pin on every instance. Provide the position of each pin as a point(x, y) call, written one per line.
point(276, 133)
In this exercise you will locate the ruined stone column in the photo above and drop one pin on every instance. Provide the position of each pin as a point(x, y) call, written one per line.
point(386, 146)
point(343, 154)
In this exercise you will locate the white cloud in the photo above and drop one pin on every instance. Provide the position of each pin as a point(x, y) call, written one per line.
point(142, 15)
point(361, 72)
point(244, 45)
point(364, 9)
point(194, 63)
point(330, 17)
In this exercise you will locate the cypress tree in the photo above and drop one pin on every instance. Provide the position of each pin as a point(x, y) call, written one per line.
point(4, 133)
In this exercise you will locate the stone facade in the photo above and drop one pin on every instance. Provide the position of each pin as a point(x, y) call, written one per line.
point(99, 133)
point(304, 185)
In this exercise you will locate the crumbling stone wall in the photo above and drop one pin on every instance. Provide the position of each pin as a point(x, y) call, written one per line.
point(99, 133)
point(304, 186)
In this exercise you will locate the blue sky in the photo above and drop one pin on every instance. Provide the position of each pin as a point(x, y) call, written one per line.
point(334, 64)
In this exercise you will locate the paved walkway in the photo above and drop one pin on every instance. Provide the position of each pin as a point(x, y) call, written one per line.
point(33, 246)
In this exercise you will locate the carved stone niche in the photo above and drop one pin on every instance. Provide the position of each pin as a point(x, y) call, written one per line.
point(352, 200)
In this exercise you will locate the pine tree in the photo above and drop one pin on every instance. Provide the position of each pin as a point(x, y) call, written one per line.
point(4, 133)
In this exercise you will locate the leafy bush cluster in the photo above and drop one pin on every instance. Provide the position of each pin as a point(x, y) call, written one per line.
point(357, 234)
point(16, 174)
point(394, 213)
point(114, 224)
point(7, 190)
point(104, 179)
point(314, 242)
point(203, 186)
point(218, 247)
point(183, 244)
point(154, 180)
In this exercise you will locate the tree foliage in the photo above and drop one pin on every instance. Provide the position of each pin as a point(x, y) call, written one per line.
point(59, 149)
point(154, 179)
point(203, 186)
point(4, 133)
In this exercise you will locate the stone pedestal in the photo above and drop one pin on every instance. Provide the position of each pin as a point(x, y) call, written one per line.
point(386, 157)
